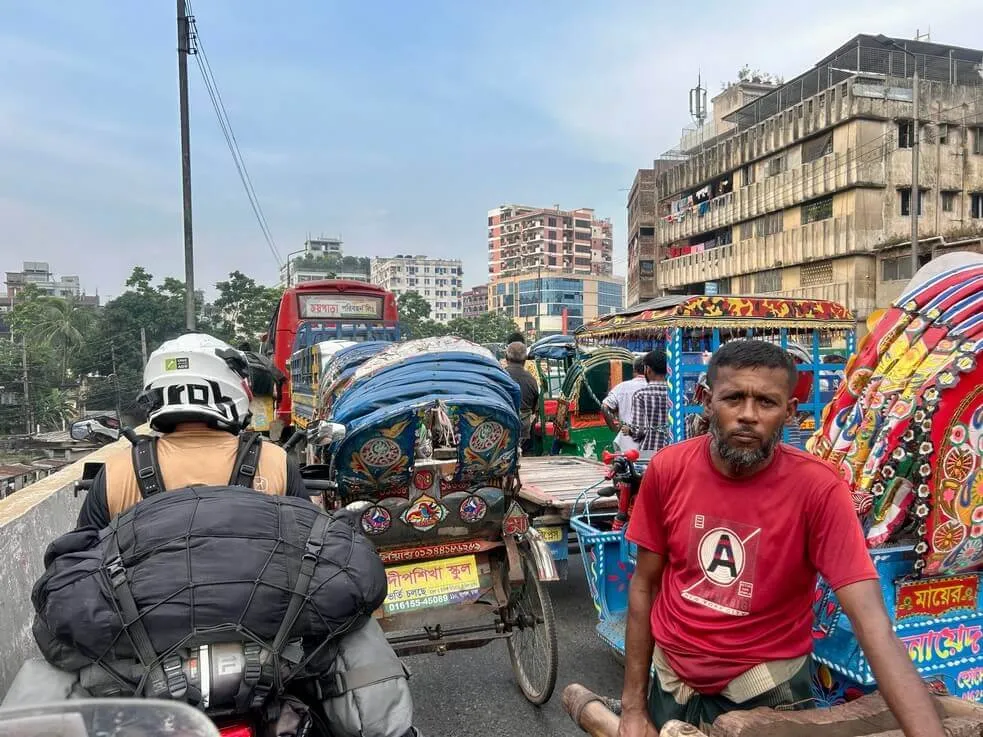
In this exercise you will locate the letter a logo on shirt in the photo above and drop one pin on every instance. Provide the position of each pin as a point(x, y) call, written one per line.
point(722, 555)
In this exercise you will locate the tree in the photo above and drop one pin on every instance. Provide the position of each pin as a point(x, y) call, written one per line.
point(414, 317)
point(488, 327)
point(243, 308)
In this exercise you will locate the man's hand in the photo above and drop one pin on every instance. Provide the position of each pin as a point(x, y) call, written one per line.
point(636, 723)
point(642, 591)
point(897, 680)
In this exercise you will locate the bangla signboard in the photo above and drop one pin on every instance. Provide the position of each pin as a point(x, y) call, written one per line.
point(339, 307)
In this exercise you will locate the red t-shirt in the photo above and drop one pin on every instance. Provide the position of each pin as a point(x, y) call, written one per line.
point(742, 557)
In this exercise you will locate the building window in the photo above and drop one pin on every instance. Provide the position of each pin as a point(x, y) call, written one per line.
point(646, 230)
point(776, 166)
point(768, 281)
point(896, 268)
point(747, 230)
point(978, 140)
point(582, 223)
point(747, 174)
point(770, 224)
point(904, 195)
point(817, 210)
point(906, 134)
point(948, 201)
point(943, 133)
point(816, 273)
point(816, 148)
point(976, 206)
point(646, 269)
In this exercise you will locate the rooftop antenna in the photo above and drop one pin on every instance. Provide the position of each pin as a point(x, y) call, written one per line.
point(926, 36)
point(698, 101)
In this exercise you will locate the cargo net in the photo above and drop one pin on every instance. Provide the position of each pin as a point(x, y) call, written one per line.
point(201, 583)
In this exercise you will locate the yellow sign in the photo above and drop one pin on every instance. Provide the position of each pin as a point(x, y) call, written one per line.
point(432, 583)
point(551, 534)
point(262, 410)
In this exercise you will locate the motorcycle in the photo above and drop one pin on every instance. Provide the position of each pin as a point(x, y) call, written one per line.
point(212, 676)
point(626, 479)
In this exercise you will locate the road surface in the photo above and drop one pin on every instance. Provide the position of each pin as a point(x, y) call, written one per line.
point(471, 692)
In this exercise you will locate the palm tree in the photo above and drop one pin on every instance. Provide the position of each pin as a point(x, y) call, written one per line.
point(54, 407)
point(65, 324)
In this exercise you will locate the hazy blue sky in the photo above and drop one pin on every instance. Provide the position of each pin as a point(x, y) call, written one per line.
point(394, 124)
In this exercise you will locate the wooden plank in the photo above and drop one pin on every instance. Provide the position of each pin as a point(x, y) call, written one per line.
point(557, 482)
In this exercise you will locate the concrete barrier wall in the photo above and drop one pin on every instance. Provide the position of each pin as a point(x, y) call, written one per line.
point(29, 520)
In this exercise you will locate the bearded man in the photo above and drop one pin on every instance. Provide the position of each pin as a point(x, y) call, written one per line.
point(732, 528)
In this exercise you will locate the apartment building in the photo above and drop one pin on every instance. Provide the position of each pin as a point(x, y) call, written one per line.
point(641, 238)
point(805, 190)
point(323, 258)
point(523, 238)
point(555, 303)
point(474, 302)
point(437, 280)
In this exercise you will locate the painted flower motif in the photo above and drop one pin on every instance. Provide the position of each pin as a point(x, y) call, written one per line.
point(958, 435)
point(923, 491)
point(947, 378)
point(921, 548)
point(898, 454)
point(877, 489)
point(908, 436)
point(947, 536)
point(925, 470)
point(968, 555)
point(921, 511)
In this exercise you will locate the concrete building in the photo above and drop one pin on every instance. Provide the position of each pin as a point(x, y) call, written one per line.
point(39, 275)
point(323, 258)
point(437, 280)
point(555, 303)
point(804, 189)
point(523, 238)
point(474, 302)
point(641, 238)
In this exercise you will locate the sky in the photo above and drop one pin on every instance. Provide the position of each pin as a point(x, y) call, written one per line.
point(395, 125)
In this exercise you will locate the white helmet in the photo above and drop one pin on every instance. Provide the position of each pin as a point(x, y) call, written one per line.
point(196, 378)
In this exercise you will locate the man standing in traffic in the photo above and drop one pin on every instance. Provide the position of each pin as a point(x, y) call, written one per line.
point(732, 529)
point(515, 357)
point(650, 407)
point(616, 407)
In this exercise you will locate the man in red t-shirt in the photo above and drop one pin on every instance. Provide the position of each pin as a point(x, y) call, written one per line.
point(732, 528)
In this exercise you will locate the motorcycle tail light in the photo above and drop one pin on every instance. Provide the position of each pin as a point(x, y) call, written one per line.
point(237, 729)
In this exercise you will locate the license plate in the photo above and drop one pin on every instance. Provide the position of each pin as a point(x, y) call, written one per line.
point(551, 534)
point(432, 583)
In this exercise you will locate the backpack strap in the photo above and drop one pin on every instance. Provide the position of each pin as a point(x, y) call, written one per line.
point(247, 460)
point(146, 466)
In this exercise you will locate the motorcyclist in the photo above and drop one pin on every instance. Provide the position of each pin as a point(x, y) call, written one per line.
point(197, 394)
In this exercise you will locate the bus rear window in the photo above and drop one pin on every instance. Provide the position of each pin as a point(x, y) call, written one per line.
point(340, 307)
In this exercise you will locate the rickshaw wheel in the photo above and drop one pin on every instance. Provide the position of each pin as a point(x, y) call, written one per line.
point(532, 646)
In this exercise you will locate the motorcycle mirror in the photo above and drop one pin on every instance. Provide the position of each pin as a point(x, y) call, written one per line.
point(329, 432)
point(80, 429)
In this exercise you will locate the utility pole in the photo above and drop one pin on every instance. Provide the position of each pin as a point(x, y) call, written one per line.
point(27, 394)
point(119, 415)
point(143, 345)
point(183, 49)
point(916, 193)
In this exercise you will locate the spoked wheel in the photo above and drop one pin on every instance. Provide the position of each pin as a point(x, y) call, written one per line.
point(532, 646)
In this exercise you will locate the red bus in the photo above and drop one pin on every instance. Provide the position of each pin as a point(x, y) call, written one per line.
point(335, 309)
